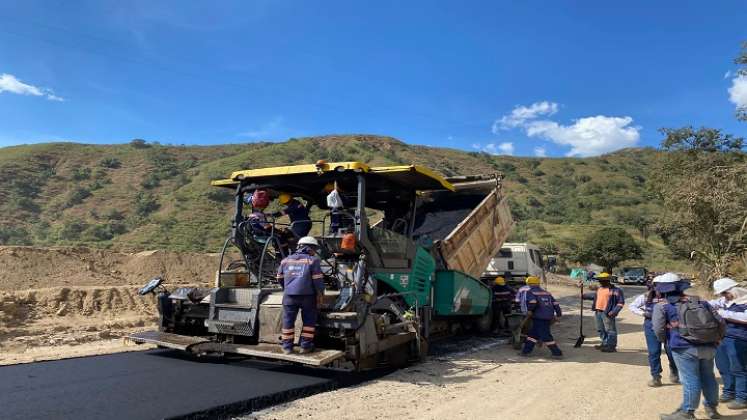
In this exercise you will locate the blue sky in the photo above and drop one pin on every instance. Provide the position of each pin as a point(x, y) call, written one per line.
point(556, 78)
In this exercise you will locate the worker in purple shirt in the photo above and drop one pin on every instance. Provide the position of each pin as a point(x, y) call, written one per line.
point(731, 355)
point(297, 213)
point(693, 356)
point(543, 309)
point(301, 276)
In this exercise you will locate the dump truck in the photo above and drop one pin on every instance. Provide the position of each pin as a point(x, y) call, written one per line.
point(421, 242)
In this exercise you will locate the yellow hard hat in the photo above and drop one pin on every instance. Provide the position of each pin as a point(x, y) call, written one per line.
point(500, 281)
point(603, 275)
point(284, 198)
point(533, 281)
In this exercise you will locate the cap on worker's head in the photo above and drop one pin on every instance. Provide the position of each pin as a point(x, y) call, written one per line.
point(602, 276)
point(308, 241)
point(723, 285)
point(500, 281)
point(284, 198)
point(667, 278)
point(329, 187)
point(533, 281)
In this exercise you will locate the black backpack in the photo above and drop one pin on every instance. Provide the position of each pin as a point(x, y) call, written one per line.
point(697, 323)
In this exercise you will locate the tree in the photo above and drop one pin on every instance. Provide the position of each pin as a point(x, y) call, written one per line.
point(741, 60)
point(702, 181)
point(608, 247)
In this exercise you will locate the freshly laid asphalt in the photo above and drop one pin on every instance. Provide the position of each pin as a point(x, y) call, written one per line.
point(153, 384)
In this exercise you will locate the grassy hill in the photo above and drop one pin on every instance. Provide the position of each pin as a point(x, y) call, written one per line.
point(146, 195)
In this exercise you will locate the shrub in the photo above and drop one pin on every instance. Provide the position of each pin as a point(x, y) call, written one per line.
point(71, 230)
point(98, 233)
point(76, 196)
point(139, 144)
point(151, 181)
point(113, 214)
point(145, 204)
point(79, 174)
point(538, 172)
point(110, 162)
point(11, 235)
point(220, 195)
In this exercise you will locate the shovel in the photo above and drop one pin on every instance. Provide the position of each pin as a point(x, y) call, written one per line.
point(581, 336)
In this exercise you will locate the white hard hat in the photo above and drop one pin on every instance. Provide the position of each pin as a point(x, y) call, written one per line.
point(723, 284)
point(308, 240)
point(667, 278)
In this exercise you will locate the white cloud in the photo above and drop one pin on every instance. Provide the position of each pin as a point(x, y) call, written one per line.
point(272, 128)
point(588, 136)
point(540, 151)
point(506, 148)
point(521, 114)
point(738, 91)
point(9, 83)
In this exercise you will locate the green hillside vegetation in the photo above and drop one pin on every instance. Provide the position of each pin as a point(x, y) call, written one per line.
point(146, 195)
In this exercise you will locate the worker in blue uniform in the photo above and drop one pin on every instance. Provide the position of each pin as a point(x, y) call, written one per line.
point(503, 296)
point(694, 355)
point(297, 213)
point(543, 309)
point(731, 355)
point(643, 306)
point(301, 276)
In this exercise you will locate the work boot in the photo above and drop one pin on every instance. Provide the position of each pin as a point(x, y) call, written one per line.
point(306, 350)
point(655, 382)
point(556, 356)
point(674, 378)
point(737, 405)
point(678, 415)
point(711, 412)
point(598, 346)
point(726, 398)
point(287, 351)
point(522, 354)
point(608, 350)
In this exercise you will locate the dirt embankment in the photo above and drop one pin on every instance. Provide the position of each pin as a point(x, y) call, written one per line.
point(61, 302)
point(23, 268)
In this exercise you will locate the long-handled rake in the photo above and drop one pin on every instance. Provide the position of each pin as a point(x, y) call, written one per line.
point(581, 336)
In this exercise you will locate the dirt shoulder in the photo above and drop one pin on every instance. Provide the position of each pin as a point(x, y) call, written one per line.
point(68, 302)
point(496, 383)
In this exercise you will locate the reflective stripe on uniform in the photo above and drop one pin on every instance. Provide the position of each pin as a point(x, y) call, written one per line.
point(550, 343)
point(533, 340)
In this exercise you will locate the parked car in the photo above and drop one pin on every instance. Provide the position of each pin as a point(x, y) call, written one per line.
point(633, 275)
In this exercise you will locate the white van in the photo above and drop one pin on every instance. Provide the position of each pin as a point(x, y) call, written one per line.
point(515, 262)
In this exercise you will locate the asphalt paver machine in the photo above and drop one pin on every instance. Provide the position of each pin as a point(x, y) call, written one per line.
point(401, 266)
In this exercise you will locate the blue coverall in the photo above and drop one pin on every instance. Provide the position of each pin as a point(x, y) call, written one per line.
point(301, 276)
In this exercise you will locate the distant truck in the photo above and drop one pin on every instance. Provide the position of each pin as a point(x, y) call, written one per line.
point(633, 275)
point(515, 262)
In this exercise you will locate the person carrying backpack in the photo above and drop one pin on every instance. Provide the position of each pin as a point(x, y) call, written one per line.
point(543, 310)
point(693, 329)
point(731, 355)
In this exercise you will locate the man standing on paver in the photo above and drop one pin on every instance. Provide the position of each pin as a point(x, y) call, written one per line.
point(301, 276)
point(607, 302)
